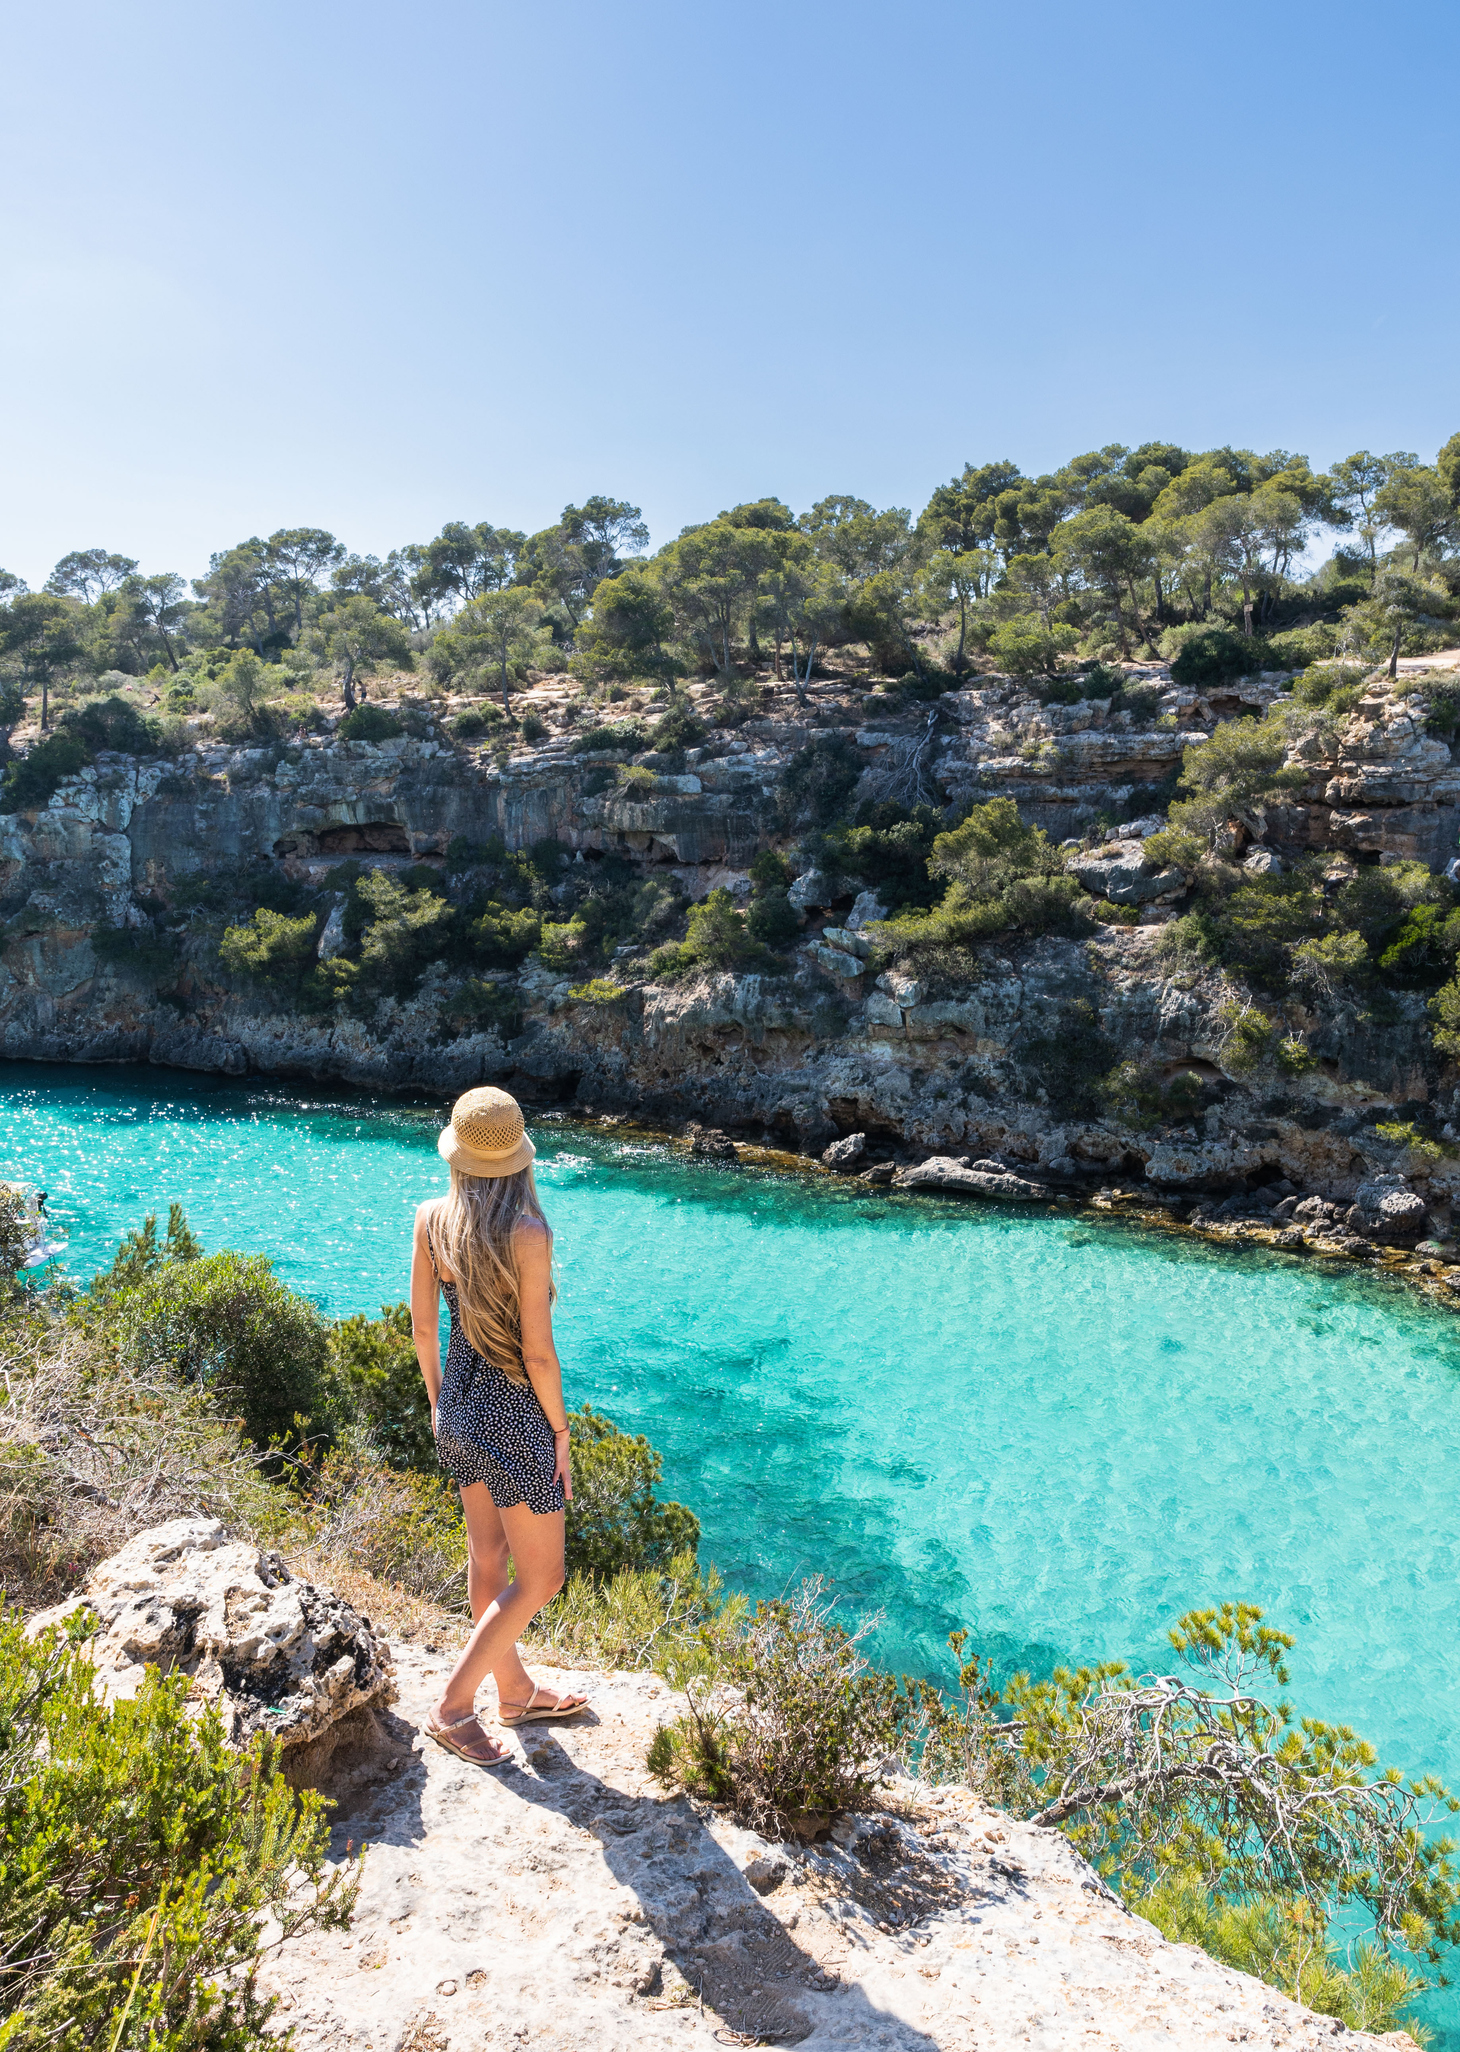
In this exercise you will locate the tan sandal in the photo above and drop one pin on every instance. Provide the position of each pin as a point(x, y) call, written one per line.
point(439, 1733)
point(563, 1706)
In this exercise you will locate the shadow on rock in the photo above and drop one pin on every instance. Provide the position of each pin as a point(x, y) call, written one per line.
point(733, 1953)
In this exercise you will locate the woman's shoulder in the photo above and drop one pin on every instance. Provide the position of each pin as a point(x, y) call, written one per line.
point(426, 1212)
point(531, 1235)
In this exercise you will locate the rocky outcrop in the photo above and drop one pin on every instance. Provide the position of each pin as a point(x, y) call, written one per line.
point(271, 1653)
point(987, 1065)
point(565, 1899)
point(970, 1179)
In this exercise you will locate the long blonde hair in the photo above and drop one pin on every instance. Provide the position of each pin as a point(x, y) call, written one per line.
point(472, 1231)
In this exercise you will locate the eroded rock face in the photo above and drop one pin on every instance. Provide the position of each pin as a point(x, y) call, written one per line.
point(1390, 1211)
point(273, 1653)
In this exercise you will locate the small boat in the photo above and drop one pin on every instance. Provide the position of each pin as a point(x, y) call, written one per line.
point(42, 1242)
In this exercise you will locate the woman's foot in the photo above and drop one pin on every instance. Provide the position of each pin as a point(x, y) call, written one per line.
point(541, 1705)
point(465, 1737)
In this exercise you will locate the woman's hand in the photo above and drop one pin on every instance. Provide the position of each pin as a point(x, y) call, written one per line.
point(562, 1463)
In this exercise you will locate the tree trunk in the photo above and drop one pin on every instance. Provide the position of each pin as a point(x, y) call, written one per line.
point(958, 660)
point(1160, 596)
point(506, 698)
point(45, 702)
point(347, 683)
point(1135, 608)
point(1246, 610)
point(1394, 652)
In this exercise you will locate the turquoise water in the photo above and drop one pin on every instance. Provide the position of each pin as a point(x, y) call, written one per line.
point(1059, 1434)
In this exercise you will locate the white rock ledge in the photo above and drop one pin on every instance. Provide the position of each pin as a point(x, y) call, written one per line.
point(564, 1901)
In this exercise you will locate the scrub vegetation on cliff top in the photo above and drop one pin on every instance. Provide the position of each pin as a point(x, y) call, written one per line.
point(159, 1390)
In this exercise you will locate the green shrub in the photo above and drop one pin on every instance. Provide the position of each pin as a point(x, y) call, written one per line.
point(1405, 1133)
point(886, 852)
point(477, 719)
point(399, 1524)
point(1071, 1062)
point(1337, 687)
point(1278, 1940)
point(820, 778)
point(1155, 1775)
point(1003, 877)
point(405, 930)
point(504, 935)
point(785, 1720)
point(369, 723)
point(1026, 648)
point(32, 780)
point(1213, 656)
point(532, 728)
point(769, 870)
point(226, 1323)
point(112, 723)
point(371, 1363)
point(615, 1522)
point(718, 938)
point(481, 1005)
point(629, 736)
point(772, 920)
point(677, 729)
point(139, 1855)
point(270, 949)
point(599, 990)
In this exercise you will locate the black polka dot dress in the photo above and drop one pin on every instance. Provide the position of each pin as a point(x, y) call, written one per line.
point(491, 1430)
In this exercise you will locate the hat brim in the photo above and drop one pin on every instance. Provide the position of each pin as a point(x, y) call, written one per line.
point(466, 1163)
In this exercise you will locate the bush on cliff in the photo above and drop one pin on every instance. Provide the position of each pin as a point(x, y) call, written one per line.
point(376, 1379)
point(225, 1323)
point(270, 949)
point(140, 1860)
point(1170, 1783)
point(819, 779)
point(1003, 876)
point(719, 937)
point(367, 722)
point(615, 1520)
point(785, 1720)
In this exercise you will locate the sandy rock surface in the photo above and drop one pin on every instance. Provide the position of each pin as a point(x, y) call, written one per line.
point(273, 1653)
point(565, 1902)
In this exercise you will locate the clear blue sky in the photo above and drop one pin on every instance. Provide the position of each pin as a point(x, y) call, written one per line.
point(374, 268)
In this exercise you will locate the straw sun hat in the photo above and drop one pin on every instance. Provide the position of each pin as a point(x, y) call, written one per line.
point(486, 1136)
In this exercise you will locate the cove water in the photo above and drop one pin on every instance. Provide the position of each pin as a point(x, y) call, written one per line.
point(1059, 1434)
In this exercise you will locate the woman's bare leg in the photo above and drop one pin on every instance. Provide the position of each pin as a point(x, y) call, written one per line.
point(535, 1543)
point(488, 1554)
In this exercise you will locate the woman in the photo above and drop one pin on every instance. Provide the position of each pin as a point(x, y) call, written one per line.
point(498, 1415)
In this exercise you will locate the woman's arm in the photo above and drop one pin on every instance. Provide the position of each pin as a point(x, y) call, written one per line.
point(425, 1311)
point(533, 1249)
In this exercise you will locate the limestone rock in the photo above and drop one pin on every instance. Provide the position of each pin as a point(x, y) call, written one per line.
point(842, 1153)
point(837, 962)
point(850, 943)
point(810, 892)
point(1123, 874)
point(1390, 1210)
point(615, 1918)
point(274, 1654)
point(906, 990)
point(866, 911)
point(881, 1010)
point(943, 1173)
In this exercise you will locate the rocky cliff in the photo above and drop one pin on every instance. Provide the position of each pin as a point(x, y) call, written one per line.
point(103, 962)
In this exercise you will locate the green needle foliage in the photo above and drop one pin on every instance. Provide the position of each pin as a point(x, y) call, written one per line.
point(1189, 1787)
point(138, 1854)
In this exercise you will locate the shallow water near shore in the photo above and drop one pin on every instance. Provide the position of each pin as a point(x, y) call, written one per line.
point(1059, 1433)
